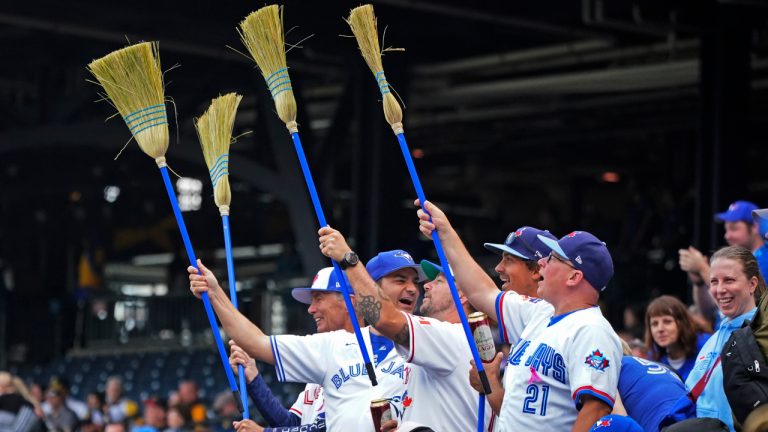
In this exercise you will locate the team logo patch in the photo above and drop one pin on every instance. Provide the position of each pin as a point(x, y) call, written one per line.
point(603, 423)
point(573, 233)
point(407, 401)
point(597, 360)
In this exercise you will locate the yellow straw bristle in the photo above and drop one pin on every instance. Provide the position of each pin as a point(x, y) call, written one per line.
point(133, 81)
point(214, 129)
point(363, 23)
point(262, 34)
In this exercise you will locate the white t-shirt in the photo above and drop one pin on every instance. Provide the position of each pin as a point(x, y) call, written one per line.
point(309, 404)
point(554, 362)
point(437, 390)
point(333, 360)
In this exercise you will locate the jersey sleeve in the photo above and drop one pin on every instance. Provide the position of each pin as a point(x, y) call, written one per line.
point(301, 358)
point(593, 360)
point(434, 345)
point(514, 311)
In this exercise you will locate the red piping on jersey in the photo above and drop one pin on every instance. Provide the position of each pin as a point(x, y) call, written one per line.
point(592, 389)
point(501, 317)
point(413, 342)
point(295, 411)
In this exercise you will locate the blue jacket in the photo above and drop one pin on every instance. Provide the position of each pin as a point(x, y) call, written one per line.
point(712, 402)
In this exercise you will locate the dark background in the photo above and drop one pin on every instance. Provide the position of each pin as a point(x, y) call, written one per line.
point(635, 120)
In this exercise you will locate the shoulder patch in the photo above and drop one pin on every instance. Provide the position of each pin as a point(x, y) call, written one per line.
point(597, 361)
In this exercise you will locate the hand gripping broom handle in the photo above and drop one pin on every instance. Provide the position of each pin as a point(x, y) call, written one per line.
point(193, 263)
point(336, 268)
point(242, 404)
point(444, 264)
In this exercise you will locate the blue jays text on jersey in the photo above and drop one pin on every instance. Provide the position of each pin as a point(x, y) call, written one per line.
point(545, 360)
point(354, 370)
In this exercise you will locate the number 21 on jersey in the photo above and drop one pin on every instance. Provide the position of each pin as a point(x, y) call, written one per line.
point(532, 400)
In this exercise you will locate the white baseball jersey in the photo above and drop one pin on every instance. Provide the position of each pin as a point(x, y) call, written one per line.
point(309, 404)
point(555, 361)
point(333, 360)
point(437, 390)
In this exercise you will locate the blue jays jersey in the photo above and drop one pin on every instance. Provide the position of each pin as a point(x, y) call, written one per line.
point(333, 360)
point(652, 394)
point(555, 362)
point(437, 390)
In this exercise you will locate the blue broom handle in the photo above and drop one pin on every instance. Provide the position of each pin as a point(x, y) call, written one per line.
point(193, 263)
point(444, 263)
point(481, 413)
point(233, 298)
point(339, 274)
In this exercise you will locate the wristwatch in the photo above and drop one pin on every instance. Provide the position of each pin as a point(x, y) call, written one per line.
point(350, 260)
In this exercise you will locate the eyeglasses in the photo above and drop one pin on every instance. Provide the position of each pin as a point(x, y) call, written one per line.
point(513, 237)
point(562, 260)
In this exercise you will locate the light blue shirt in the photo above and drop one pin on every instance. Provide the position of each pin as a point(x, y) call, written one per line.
point(712, 402)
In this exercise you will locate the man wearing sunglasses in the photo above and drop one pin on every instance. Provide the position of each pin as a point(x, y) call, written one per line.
point(564, 368)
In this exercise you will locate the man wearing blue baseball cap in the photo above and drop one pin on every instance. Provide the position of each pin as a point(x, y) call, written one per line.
point(563, 370)
point(520, 253)
point(740, 230)
point(435, 348)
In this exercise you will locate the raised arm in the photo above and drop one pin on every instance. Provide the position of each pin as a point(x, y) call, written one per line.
point(474, 281)
point(370, 300)
point(237, 326)
point(695, 264)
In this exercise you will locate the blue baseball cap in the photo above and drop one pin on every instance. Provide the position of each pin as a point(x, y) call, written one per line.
point(524, 243)
point(737, 211)
point(587, 253)
point(325, 280)
point(760, 217)
point(616, 423)
point(391, 261)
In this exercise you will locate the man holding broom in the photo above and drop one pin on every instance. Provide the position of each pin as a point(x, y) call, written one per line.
point(564, 369)
point(330, 358)
point(436, 390)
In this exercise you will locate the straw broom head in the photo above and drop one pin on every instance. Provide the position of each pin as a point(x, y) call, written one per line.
point(214, 129)
point(133, 81)
point(262, 34)
point(363, 23)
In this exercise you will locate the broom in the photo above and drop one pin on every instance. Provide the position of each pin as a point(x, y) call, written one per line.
point(214, 129)
point(262, 34)
point(133, 83)
point(363, 23)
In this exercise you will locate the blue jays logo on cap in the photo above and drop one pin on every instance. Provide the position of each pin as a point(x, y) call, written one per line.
point(523, 243)
point(391, 261)
point(616, 423)
point(325, 280)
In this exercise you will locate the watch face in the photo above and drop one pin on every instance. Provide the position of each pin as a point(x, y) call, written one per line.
point(351, 258)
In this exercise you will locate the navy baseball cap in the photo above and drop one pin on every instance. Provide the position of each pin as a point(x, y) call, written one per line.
point(760, 217)
point(325, 280)
point(524, 243)
point(587, 253)
point(431, 270)
point(391, 261)
point(737, 211)
point(616, 423)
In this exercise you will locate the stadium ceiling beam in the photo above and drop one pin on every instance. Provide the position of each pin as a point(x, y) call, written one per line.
point(489, 17)
point(168, 44)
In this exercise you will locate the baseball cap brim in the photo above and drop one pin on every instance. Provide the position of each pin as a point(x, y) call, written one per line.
point(304, 295)
point(552, 244)
point(500, 249)
point(431, 270)
point(728, 217)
